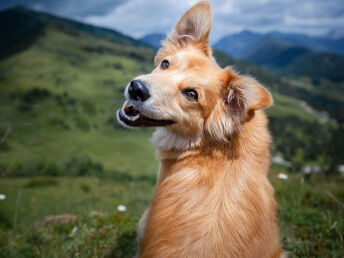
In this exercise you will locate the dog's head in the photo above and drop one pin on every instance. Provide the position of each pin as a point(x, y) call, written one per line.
point(188, 97)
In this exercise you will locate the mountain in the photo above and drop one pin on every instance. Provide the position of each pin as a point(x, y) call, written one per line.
point(319, 43)
point(240, 43)
point(20, 26)
point(317, 66)
point(59, 93)
point(336, 33)
point(236, 45)
point(293, 60)
point(153, 39)
point(271, 52)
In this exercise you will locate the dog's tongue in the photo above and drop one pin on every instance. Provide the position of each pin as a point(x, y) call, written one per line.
point(134, 118)
point(130, 110)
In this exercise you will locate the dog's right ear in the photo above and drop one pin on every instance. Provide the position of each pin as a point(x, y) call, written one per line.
point(194, 25)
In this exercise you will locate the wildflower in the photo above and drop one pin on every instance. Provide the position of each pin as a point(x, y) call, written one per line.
point(74, 230)
point(2, 197)
point(121, 208)
point(72, 233)
point(282, 176)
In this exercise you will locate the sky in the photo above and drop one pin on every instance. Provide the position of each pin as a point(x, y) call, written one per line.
point(140, 17)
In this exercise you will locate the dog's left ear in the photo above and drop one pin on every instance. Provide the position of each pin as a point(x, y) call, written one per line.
point(245, 95)
point(194, 25)
point(241, 97)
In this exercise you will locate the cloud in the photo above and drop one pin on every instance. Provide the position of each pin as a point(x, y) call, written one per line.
point(140, 17)
point(305, 16)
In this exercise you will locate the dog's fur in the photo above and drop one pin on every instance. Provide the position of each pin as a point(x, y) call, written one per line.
point(213, 197)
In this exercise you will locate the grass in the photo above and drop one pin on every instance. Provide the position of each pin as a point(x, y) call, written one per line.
point(311, 210)
point(310, 216)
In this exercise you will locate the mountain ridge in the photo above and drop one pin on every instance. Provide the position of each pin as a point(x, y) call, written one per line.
point(246, 39)
point(26, 25)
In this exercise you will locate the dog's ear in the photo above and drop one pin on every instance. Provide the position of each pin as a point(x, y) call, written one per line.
point(241, 97)
point(194, 26)
point(245, 95)
point(195, 23)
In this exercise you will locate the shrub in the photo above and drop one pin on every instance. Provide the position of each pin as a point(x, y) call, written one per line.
point(82, 124)
point(88, 107)
point(35, 94)
point(41, 182)
point(74, 166)
point(82, 166)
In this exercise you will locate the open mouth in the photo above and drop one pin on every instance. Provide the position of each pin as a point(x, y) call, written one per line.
point(132, 117)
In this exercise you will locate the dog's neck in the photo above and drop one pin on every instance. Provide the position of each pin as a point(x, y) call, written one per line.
point(247, 146)
point(166, 140)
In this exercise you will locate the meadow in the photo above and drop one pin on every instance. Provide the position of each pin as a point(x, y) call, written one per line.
point(79, 216)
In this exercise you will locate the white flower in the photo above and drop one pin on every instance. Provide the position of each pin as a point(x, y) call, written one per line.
point(282, 176)
point(72, 233)
point(121, 208)
point(74, 230)
point(2, 197)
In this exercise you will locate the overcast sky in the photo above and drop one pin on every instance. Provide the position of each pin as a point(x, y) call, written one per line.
point(140, 17)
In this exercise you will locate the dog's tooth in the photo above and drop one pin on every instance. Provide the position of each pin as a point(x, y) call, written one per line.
point(125, 104)
point(135, 118)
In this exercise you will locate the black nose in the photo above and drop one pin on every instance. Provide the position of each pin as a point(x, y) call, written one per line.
point(138, 91)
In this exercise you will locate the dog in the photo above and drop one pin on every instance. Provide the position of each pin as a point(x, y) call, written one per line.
point(213, 197)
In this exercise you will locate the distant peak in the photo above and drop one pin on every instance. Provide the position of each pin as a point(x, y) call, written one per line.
point(336, 33)
point(247, 32)
point(19, 8)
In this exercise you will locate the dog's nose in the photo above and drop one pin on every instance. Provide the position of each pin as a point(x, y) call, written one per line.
point(138, 91)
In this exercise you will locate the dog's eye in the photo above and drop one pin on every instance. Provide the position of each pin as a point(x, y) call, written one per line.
point(164, 64)
point(191, 95)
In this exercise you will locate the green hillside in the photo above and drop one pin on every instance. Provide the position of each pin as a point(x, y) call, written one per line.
point(58, 99)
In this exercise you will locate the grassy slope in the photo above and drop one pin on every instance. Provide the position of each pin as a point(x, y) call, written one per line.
point(84, 92)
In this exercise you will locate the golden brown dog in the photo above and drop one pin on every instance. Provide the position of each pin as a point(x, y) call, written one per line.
point(213, 197)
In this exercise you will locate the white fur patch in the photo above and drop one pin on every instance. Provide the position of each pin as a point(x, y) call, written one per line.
point(219, 126)
point(165, 139)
